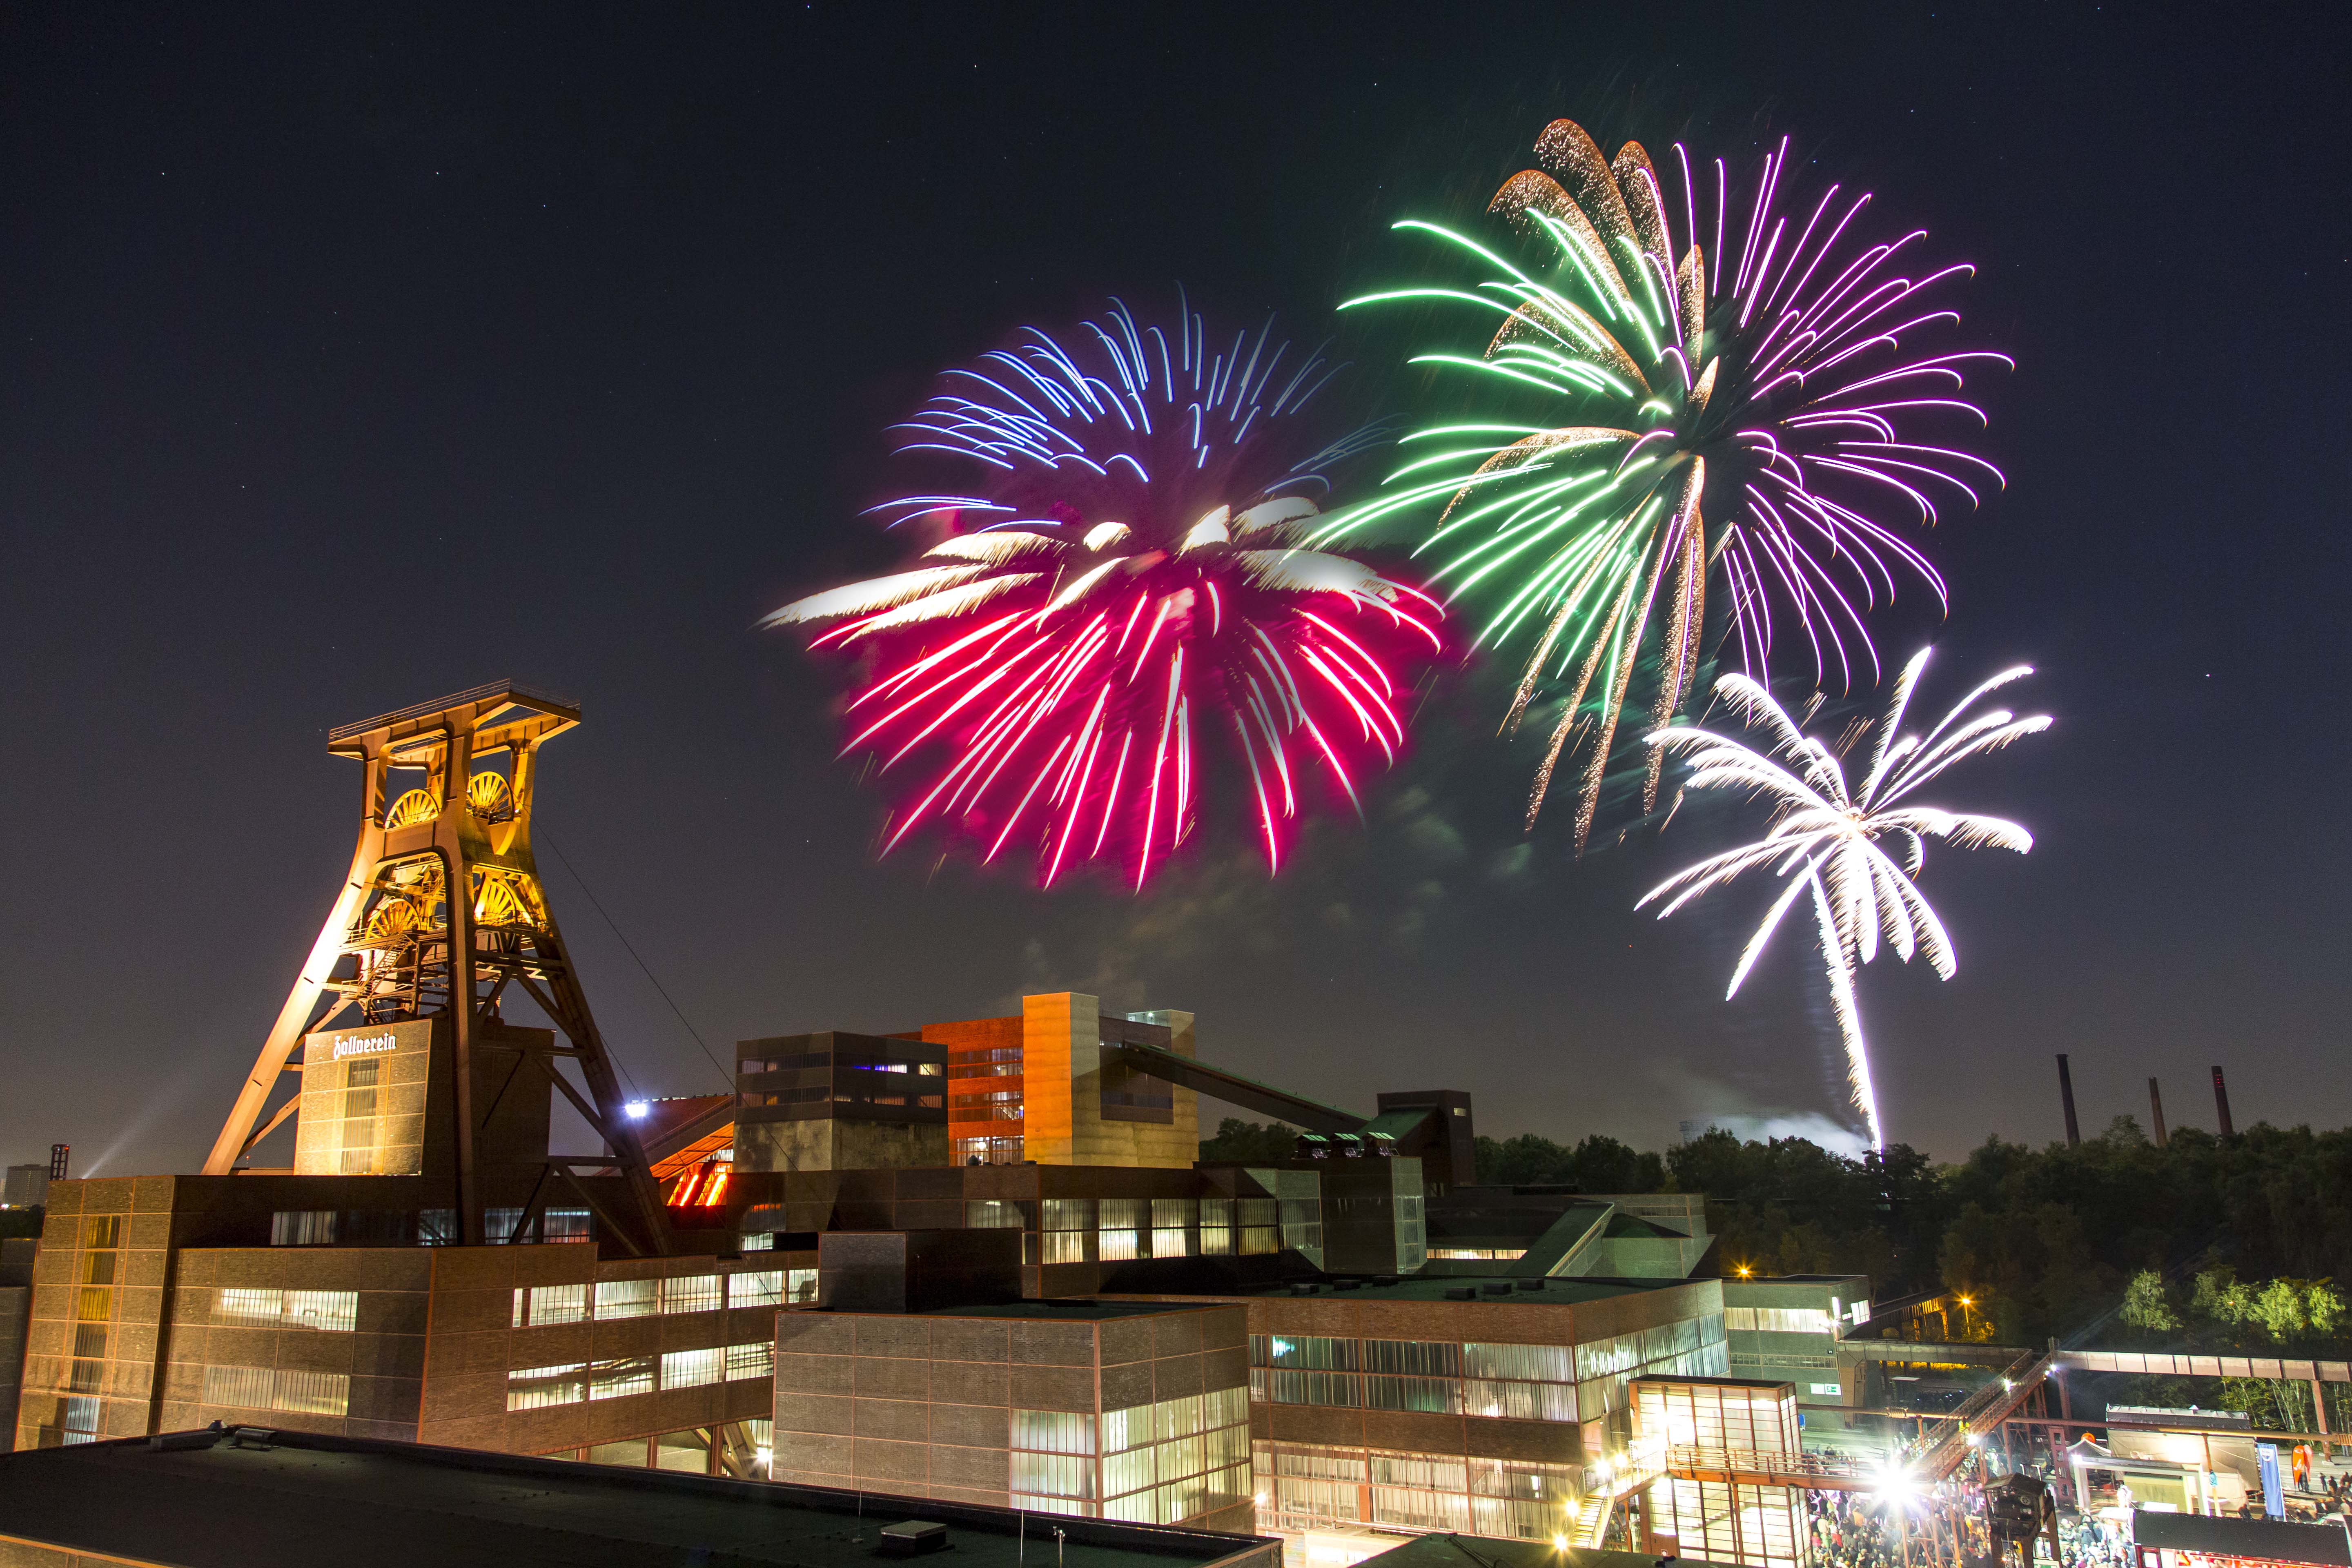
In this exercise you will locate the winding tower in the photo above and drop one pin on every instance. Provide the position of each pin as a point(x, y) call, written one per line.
point(407, 1066)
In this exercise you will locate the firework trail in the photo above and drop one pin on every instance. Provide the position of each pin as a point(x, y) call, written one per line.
point(1827, 842)
point(1722, 385)
point(1127, 576)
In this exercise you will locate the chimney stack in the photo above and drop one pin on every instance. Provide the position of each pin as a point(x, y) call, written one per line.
point(2156, 1110)
point(60, 1153)
point(2222, 1102)
point(2066, 1095)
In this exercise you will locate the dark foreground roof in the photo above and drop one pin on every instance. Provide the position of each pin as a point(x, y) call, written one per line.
point(354, 1504)
point(2273, 1538)
point(1490, 1551)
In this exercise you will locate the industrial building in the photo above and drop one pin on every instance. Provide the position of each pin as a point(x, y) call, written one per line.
point(1787, 1328)
point(977, 1262)
point(287, 1499)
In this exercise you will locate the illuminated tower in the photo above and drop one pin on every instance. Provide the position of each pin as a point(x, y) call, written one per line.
point(407, 1067)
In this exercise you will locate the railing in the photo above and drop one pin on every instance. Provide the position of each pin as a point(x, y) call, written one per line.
point(456, 700)
point(1770, 1467)
point(1979, 1413)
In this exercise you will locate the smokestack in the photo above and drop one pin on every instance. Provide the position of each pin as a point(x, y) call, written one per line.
point(2156, 1110)
point(60, 1153)
point(2222, 1102)
point(2066, 1095)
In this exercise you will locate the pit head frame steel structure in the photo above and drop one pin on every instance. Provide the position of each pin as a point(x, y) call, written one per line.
point(400, 943)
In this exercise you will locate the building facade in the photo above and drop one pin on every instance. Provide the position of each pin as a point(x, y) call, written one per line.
point(1723, 1425)
point(137, 1326)
point(1101, 1410)
point(1787, 1328)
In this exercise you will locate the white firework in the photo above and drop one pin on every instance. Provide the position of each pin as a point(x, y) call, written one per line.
point(1833, 843)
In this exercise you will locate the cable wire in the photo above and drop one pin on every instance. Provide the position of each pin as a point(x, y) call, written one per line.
point(724, 1076)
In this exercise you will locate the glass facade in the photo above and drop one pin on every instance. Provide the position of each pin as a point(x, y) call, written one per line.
point(1302, 1488)
point(335, 1311)
point(278, 1388)
point(1151, 1464)
point(1513, 1382)
point(1762, 1526)
point(535, 1305)
point(536, 1387)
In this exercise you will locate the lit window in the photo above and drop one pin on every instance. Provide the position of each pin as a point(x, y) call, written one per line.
point(764, 1289)
point(238, 1387)
point(302, 1227)
point(1052, 1432)
point(1053, 1475)
point(335, 1311)
point(312, 1393)
point(800, 1287)
point(551, 1304)
point(692, 1369)
point(755, 1360)
point(691, 1293)
point(536, 1387)
point(624, 1299)
point(619, 1379)
point(243, 1306)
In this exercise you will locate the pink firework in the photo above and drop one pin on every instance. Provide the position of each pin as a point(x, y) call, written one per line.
point(1687, 416)
point(1126, 580)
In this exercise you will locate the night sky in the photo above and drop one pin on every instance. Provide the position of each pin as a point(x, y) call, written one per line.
point(349, 362)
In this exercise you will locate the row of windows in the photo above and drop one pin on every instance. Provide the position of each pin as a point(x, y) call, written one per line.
point(858, 1060)
point(1119, 1246)
point(1780, 1319)
point(536, 1387)
point(1495, 1497)
point(1087, 1214)
point(278, 1388)
point(1479, 1254)
point(428, 1228)
point(859, 1096)
point(1525, 1383)
point(1160, 1463)
point(335, 1311)
point(1060, 1432)
point(1748, 1359)
point(690, 1450)
point(1174, 1502)
point(538, 1306)
point(94, 1301)
point(1435, 1358)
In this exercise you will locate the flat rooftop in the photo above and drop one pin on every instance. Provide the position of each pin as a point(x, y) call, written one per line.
point(310, 1499)
point(1491, 1551)
point(1547, 1291)
point(1067, 1311)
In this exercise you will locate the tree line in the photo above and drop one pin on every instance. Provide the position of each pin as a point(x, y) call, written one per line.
point(2114, 1242)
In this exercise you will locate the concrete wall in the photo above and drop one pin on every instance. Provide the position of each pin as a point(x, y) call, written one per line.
point(1062, 1074)
point(921, 1406)
point(830, 1143)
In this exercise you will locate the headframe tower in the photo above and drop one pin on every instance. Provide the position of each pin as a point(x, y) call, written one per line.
point(442, 913)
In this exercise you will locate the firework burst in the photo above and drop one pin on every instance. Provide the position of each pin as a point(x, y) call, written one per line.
point(1723, 387)
point(1829, 842)
point(1126, 576)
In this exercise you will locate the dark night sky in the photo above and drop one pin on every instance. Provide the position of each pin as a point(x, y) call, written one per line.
point(351, 362)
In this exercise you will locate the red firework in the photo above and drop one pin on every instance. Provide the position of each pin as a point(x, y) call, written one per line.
point(1128, 582)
